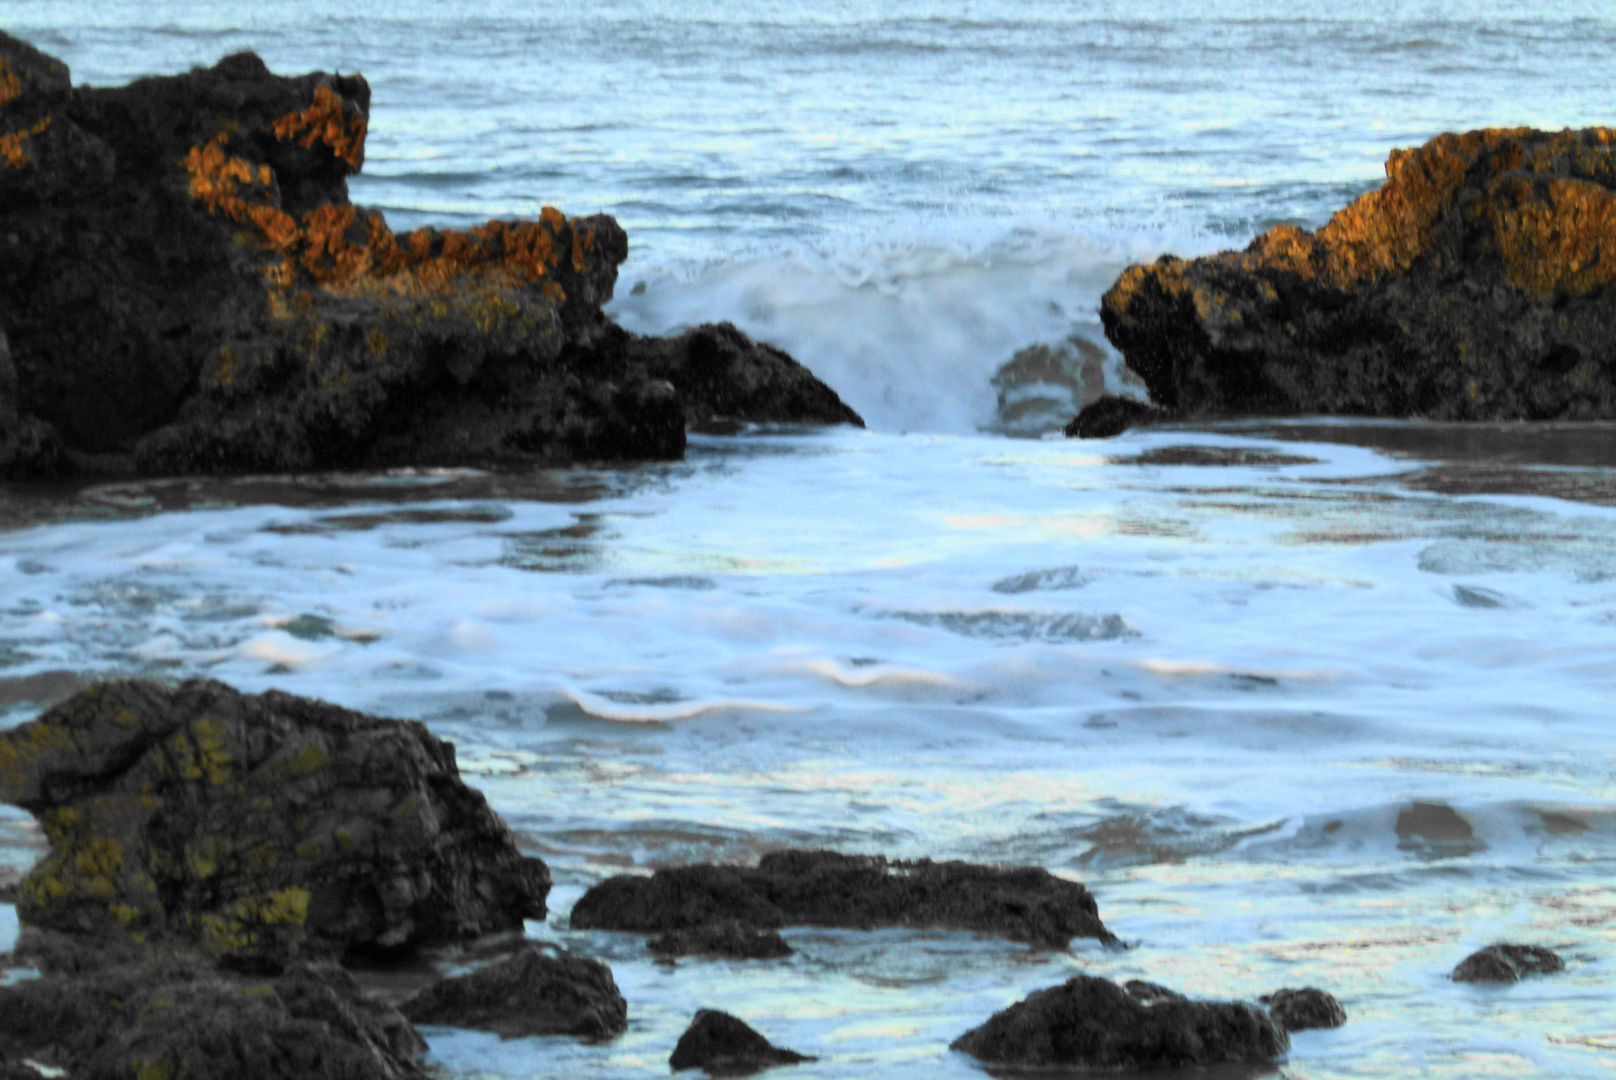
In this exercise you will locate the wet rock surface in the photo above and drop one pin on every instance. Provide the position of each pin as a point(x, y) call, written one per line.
point(1475, 284)
point(533, 992)
point(824, 888)
point(173, 1015)
point(726, 938)
point(724, 1045)
point(1111, 415)
point(1094, 1023)
point(257, 829)
point(1308, 1007)
point(1507, 963)
point(185, 287)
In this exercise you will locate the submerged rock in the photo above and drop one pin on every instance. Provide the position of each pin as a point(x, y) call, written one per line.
point(720, 1043)
point(1111, 415)
point(173, 1016)
point(186, 287)
point(257, 828)
point(1475, 284)
point(1094, 1023)
point(1507, 964)
point(533, 992)
point(1309, 1007)
point(826, 888)
point(726, 937)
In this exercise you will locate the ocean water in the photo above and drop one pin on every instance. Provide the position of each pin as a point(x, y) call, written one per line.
point(1314, 702)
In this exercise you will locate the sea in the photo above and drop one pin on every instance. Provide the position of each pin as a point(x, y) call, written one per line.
point(1321, 701)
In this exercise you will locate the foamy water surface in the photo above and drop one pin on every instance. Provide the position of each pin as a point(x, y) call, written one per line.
point(1309, 703)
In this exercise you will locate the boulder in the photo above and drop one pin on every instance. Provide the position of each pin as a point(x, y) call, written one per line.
point(1474, 284)
point(722, 1044)
point(1507, 964)
point(257, 828)
point(173, 1016)
point(1094, 1023)
point(187, 288)
point(1309, 1007)
point(533, 992)
point(727, 937)
point(1111, 415)
point(825, 888)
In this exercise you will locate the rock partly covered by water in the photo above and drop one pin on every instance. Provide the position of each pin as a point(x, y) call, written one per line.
point(729, 938)
point(1094, 1023)
point(1507, 964)
point(825, 888)
point(1111, 415)
point(186, 287)
point(173, 1016)
point(533, 992)
point(723, 1044)
point(1475, 284)
point(257, 829)
point(1308, 1007)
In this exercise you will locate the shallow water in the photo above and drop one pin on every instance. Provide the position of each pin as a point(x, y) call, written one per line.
point(1293, 719)
point(1303, 703)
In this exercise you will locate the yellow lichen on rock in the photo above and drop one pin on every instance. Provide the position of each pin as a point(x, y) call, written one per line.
point(10, 85)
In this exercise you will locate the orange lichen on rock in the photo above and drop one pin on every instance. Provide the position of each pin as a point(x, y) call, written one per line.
point(326, 122)
point(10, 85)
point(14, 147)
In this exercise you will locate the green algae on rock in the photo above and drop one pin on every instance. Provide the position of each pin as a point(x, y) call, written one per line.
point(186, 288)
point(257, 828)
point(1477, 283)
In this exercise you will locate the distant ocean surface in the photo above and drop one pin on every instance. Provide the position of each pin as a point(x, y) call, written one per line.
point(1303, 703)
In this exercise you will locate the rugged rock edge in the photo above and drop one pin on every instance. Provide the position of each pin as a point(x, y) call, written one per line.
point(185, 287)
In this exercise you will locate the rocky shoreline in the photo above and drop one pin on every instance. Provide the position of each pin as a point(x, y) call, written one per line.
point(217, 860)
point(185, 287)
point(1475, 284)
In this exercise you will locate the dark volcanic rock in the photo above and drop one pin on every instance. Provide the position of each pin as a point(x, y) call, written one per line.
point(186, 287)
point(720, 1043)
point(531, 993)
point(257, 828)
point(172, 1016)
point(1507, 964)
point(1475, 284)
point(1309, 1007)
point(727, 937)
point(1094, 1023)
point(1112, 415)
point(825, 888)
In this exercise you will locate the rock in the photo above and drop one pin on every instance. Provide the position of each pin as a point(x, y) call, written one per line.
point(258, 829)
point(529, 993)
point(825, 888)
point(1507, 964)
point(187, 288)
point(1475, 284)
point(720, 1043)
point(172, 1016)
point(726, 937)
point(1041, 385)
point(1309, 1007)
point(1094, 1023)
point(1111, 415)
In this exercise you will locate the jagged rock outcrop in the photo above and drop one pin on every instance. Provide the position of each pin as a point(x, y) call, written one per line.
point(533, 992)
point(1308, 1007)
point(1094, 1023)
point(186, 287)
point(725, 1045)
point(826, 888)
point(257, 829)
point(172, 1016)
point(1475, 284)
point(1507, 963)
